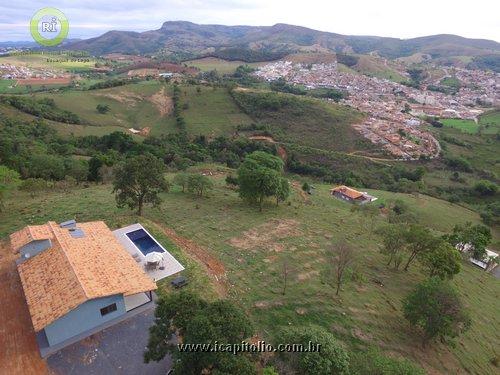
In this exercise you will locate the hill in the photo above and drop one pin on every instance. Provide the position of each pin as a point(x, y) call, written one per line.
point(252, 247)
point(186, 40)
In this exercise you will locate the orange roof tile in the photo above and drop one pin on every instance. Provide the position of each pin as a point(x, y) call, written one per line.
point(30, 233)
point(76, 270)
point(347, 191)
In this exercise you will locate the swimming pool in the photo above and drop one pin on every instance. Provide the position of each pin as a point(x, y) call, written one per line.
point(143, 241)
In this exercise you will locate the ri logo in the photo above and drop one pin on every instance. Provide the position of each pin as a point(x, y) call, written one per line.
point(49, 27)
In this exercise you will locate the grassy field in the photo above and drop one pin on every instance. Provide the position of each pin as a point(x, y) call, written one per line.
point(211, 112)
point(480, 150)
point(253, 246)
point(377, 68)
point(305, 121)
point(131, 106)
point(489, 123)
point(222, 66)
point(467, 126)
point(49, 61)
point(9, 86)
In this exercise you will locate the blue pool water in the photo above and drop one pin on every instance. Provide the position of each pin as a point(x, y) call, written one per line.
point(144, 242)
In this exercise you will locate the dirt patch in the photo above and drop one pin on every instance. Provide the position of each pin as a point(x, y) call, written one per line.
point(358, 333)
point(44, 81)
point(163, 103)
point(301, 192)
point(307, 275)
point(263, 138)
point(213, 266)
point(143, 72)
point(124, 97)
point(266, 235)
point(18, 348)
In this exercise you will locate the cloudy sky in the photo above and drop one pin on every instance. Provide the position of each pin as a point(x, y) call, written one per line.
point(402, 19)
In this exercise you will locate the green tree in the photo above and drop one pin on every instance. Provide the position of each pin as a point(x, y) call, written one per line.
point(198, 184)
point(259, 176)
point(469, 238)
point(283, 190)
point(340, 258)
point(485, 188)
point(435, 308)
point(8, 181)
point(196, 321)
point(33, 186)
point(102, 108)
point(419, 241)
point(48, 167)
point(331, 358)
point(181, 179)
point(78, 169)
point(442, 261)
point(393, 243)
point(139, 180)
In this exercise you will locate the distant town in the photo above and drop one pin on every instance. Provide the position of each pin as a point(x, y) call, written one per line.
point(394, 109)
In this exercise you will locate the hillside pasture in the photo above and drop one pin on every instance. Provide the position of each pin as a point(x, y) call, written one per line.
point(207, 64)
point(253, 247)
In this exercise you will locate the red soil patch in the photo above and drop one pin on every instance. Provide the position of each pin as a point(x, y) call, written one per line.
point(18, 348)
point(214, 267)
point(44, 81)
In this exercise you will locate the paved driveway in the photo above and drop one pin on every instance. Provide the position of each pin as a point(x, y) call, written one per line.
point(116, 350)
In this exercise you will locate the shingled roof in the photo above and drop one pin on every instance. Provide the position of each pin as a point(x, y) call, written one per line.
point(28, 234)
point(347, 191)
point(75, 270)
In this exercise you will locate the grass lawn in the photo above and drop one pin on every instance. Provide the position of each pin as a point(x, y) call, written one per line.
point(253, 246)
point(490, 122)
point(305, 121)
point(211, 112)
point(222, 66)
point(467, 126)
point(9, 86)
point(48, 61)
point(130, 106)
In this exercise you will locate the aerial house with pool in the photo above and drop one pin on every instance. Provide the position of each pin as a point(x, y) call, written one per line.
point(81, 278)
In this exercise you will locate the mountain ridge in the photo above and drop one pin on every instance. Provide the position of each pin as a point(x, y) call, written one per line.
point(191, 39)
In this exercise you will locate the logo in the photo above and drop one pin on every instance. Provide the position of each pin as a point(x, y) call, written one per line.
point(49, 27)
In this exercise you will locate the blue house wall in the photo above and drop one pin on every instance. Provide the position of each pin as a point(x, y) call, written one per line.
point(82, 318)
point(34, 247)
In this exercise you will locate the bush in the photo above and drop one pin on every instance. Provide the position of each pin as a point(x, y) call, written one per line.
point(485, 188)
point(330, 359)
point(458, 164)
point(102, 108)
point(231, 180)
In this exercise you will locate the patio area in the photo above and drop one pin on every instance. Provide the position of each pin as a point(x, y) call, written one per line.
point(116, 350)
point(158, 264)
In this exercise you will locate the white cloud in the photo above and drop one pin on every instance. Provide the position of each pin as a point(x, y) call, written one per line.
point(363, 17)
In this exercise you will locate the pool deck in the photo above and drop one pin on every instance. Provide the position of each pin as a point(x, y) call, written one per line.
point(170, 264)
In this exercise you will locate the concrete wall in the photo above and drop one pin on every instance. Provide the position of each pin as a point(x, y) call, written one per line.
point(82, 318)
point(34, 247)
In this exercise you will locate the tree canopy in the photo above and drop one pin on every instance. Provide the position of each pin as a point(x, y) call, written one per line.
point(260, 176)
point(476, 236)
point(139, 180)
point(330, 359)
point(435, 308)
point(196, 321)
